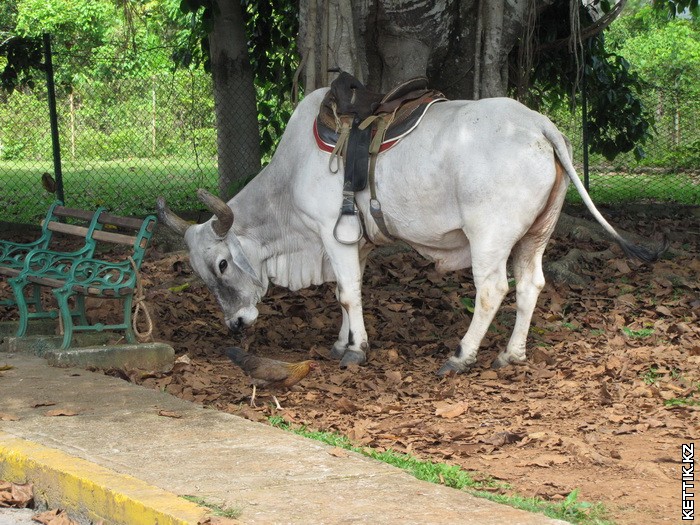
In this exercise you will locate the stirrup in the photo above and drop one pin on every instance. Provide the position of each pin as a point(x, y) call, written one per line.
point(348, 231)
point(348, 228)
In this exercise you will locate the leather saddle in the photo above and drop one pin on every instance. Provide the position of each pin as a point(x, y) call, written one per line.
point(349, 103)
point(356, 123)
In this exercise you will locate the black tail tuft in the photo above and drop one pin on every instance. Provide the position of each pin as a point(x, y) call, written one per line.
point(236, 354)
point(636, 251)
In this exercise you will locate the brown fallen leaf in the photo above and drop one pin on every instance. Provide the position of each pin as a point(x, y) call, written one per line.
point(503, 438)
point(45, 404)
point(169, 413)
point(338, 452)
point(8, 417)
point(449, 411)
point(345, 406)
point(393, 376)
point(544, 461)
point(16, 495)
point(4, 368)
point(621, 266)
point(61, 412)
point(251, 414)
point(319, 351)
point(54, 517)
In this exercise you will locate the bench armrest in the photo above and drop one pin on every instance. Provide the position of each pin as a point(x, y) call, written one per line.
point(101, 277)
point(13, 254)
point(49, 263)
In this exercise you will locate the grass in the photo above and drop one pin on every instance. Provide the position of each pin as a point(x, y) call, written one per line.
point(215, 509)
point(642, 333)
point(682, 401)
point(570, 509)
point(651, 376)
point(128, 186)
point(609, 188)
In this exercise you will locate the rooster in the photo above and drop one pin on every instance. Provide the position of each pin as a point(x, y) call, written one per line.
point(278, 375)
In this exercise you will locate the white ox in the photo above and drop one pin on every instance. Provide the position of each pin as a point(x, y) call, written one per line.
point(475, 183)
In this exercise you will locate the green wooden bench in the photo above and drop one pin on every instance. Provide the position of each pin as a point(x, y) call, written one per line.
point(80, 274)
point(13, 255)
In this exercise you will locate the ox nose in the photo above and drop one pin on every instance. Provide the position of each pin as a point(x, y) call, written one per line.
point(236, 326)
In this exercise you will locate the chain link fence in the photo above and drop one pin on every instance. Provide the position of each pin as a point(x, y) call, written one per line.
point(126, 140)
point(669, 172)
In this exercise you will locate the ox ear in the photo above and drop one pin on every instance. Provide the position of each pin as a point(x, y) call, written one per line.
point(240, 259)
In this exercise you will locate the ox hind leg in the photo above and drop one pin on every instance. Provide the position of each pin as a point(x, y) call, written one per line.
point(527, 269)
point(491, 281)
point(529, 278)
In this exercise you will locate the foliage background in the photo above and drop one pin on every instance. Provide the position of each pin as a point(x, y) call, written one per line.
point(136, 112)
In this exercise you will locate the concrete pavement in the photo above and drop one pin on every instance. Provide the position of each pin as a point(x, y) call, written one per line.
point(118, 460)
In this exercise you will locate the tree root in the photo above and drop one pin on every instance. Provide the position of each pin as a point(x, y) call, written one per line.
point(568, 268)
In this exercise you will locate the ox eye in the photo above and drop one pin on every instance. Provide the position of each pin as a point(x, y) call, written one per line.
point(223, 265)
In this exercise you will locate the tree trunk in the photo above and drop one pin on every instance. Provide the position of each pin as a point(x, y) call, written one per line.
point(461, 45)
point(381, 43)
point(238, 143)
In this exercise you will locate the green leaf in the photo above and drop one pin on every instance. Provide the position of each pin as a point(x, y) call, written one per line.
point(468, 303)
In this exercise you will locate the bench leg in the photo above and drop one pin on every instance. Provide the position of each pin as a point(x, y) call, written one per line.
point(62, 297)
point(36, 298)
point(24, 300)
point(129, 330)
point(17, 286)
point(79, 310)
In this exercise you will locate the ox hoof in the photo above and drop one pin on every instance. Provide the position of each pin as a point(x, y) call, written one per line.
point(502, 362)
point(450, 367)
point(499, 362)
point(352, 357)
point(337, 352)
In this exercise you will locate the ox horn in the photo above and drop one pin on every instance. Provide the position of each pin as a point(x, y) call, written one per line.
point(224, 214)
point(178, 224)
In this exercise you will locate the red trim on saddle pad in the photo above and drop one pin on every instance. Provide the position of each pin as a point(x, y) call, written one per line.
point(325, 146)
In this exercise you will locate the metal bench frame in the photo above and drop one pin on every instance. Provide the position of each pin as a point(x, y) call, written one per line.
point(79, 274)
point(13, 256)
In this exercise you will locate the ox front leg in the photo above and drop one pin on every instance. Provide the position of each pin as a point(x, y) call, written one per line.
point(352, 345)
point(491, 287)
point(341, 345)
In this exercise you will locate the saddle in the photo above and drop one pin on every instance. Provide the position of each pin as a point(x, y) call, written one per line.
point(356, 124)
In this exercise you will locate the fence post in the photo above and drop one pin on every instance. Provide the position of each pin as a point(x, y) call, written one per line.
point(584, 125)
point(53, 117)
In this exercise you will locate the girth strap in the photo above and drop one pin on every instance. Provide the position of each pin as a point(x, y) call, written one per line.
point(375, 207)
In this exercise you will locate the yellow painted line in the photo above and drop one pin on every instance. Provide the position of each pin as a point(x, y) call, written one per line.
point(86, 489)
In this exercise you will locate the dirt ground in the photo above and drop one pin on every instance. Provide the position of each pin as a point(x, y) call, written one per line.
point(610, 391)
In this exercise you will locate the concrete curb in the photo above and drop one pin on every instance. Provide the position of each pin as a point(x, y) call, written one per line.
point(149, 356)
point(91, 491)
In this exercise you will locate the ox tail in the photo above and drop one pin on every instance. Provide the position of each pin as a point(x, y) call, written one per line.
point(562, 150)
